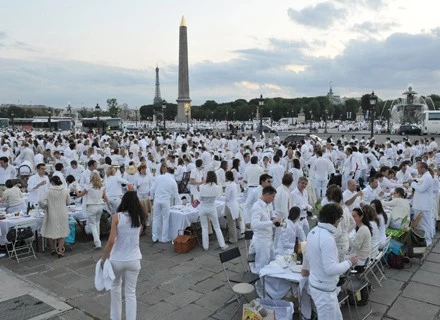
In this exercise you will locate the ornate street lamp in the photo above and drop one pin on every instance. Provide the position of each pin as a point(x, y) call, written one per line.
point(98, 113)
point(271, 119)
point(12, 120)
point(373, 101)
point(325, 120)
point(49, 111)
point(260, 105)
point(164, 106)
point(136, 111)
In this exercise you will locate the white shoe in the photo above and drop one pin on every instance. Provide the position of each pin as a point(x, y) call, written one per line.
point(148, 223)
point(225, 247)
point(2, 255)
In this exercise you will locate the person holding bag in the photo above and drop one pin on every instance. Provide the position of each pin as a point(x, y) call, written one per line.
point(123, 251)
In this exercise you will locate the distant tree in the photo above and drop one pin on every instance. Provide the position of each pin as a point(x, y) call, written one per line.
point(113, 107)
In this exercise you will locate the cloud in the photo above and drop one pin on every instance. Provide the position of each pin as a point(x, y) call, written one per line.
point(26, 47)
point(371, 4)
point(283, 69)
point(368, 27)
point(321, 16)
point(3, 35)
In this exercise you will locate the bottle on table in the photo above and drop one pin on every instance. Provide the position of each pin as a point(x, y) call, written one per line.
point(299, 255)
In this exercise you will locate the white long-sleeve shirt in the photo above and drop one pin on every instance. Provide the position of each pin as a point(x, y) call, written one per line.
point(164, 189)
point(321, 258)
point(261, 222)
point(322, 168)
point(301, 200)
point(113, 186)
point(282, 202)
point(35, 194)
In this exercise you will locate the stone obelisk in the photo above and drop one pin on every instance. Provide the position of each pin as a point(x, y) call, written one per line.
point(183, 99)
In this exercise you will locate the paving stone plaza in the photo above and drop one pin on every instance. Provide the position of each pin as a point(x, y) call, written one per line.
point(192, 286)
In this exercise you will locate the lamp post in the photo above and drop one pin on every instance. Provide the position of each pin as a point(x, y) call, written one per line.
point(49, 111)
point(325, 121)
point(260, 105)
point(164, 106)
point(227, 115)
point(136, 111)
point(212, 116)
point(271, 119)
point(187, 119)
point(234, 115)
point(373, 101)
point(98, 113)
point(12, 120)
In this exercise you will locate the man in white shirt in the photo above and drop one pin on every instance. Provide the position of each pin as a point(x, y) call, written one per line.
point(372, 191)
point(254, 194)
point(163, 190)
point(37, 184)
point(92, 165)
point(74, 170)
point(59, 168)
point(6, 171)
point(263, 224)
point(252, 173)
point(276, 170)
point(283, 202)
point(26, 154)
point(321, 168)
point(351, 197)
point(300, 199)
point(422, 200)
point(196, 178)
point(6, 152)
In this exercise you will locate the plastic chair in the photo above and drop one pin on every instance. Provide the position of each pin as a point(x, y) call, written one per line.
point(21, 248)
point(248, 235)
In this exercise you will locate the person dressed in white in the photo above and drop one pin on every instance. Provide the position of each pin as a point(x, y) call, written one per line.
point(163, 190)
point(401, 209)
point(351, 197)
point(208, 212)
point(321, 263)
point(122, 249)
point(321, 168)
point(350, 169)
point(94, 202)
point(113, 186)
point(254, 194)
point(372, 191)
point(283, 202)
point(13, 198)
point(276, 170)
point(285, 238)
point(300, 198)
point(422, 200)
point(144, 183)
point(232, 210)
point(262, 224)
point(253, 172)
point(196, 178)
point(6, 171)
point(346, 225)
point(37, 184)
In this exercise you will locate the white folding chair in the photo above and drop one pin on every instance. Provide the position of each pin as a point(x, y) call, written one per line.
point(21, 248)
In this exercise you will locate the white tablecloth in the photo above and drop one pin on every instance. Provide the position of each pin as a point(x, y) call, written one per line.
point(8, 223)
point(277, 280)
point(181, 217)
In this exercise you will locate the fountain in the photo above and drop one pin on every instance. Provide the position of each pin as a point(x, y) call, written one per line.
point(409, 110)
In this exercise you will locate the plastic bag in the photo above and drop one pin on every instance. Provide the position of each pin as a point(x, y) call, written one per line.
point(283, 309)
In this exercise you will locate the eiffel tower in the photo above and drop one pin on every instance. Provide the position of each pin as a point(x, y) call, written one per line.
point(157, 98)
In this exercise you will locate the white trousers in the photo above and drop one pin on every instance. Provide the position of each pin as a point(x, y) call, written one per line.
point(326, 304)
point(232, 225)
point(130, 271)
point(425, 224)
point(304, 224)
point(320, 187)
point(264, 252)
point(205, 216)
point(161, 221)
point(94, 212)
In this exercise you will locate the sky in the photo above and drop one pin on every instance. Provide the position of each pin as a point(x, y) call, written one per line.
point(85, 51)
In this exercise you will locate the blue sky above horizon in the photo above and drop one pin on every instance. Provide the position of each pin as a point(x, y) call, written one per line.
point(83, 52)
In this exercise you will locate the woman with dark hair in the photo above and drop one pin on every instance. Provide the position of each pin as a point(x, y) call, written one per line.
point(56, 220)
point(13, 198)
point(383, 219)
point(374, 223)
point(209, 191)
point(123, 251)
point(401, 209)
point(346, 225)
point(235, 170)
point(360, 244)
point(232, 211)
point(296, 172)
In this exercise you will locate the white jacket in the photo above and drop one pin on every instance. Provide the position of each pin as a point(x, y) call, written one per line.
point(104, 276)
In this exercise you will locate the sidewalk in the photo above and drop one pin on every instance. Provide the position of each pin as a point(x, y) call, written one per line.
point(192, 286)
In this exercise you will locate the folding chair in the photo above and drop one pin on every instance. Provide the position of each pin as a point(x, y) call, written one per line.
point(248, 235)
point(21, 248)
point(183, 185)
point(356, 282)
point(240, 283)
point(375, 255)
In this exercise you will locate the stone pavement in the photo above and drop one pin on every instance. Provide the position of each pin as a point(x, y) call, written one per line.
point(192, 286)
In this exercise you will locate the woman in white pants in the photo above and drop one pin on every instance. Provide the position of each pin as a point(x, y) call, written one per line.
point(232, 210)
point(125, 256)
point(94, 203)
point(208, 193)
point(144, 181)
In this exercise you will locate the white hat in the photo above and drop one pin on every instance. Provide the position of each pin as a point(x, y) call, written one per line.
point(5, 146)
point(115, 164)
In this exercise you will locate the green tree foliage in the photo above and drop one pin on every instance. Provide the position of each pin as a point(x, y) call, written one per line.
point(113, 107)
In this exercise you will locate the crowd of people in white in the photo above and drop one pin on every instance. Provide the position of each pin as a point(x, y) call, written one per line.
point(265, 184)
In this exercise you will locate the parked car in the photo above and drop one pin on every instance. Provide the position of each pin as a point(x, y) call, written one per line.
point(266, 129)
point(409, 129)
